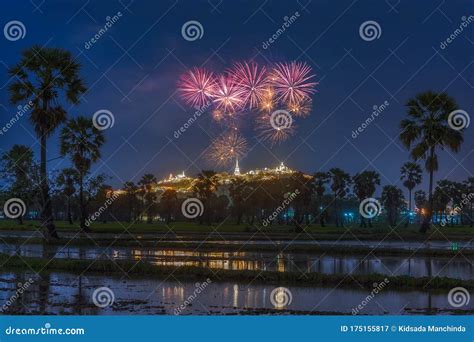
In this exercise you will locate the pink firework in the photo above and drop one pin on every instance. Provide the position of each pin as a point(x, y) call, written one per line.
point(253, 80)
point(228, 96)
point(197, 87)
point(292, 81)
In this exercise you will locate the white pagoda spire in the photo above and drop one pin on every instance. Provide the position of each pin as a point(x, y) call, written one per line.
point(237, 169)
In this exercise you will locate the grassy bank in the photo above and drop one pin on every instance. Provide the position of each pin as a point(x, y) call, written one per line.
point(380, 231)
point(143, 269)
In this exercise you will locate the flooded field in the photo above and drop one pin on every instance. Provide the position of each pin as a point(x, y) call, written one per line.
point(419, 266)
point(63, 293)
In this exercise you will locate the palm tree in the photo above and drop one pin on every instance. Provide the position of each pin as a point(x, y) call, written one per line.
point(340, 182)
point(17, 165)
point(236, 192)
point(427, 130)
point(204, 188)
point(43, 76)
point(364, 187)
point(147, 189)
point(169, 203)
point(65, 181)
point(393, 200)
point(320, 179)
point(411, 177)
point(81, 141)
point(131, 197)
point(468, 188)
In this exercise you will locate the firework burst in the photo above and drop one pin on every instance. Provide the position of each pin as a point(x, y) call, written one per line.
point(292, 81)
point(227, 148)
point(269, 132)
point(301, 108)
point(268, 102)
point(197, 87)
point(229, 120)
point(228, 96)
point(252, 80)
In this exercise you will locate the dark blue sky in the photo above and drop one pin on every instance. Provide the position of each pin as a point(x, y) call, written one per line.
point(132, 71)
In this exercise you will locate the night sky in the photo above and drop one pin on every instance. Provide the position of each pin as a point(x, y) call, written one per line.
point(132, 71)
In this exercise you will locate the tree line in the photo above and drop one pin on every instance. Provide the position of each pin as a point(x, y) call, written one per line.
point(50, 77)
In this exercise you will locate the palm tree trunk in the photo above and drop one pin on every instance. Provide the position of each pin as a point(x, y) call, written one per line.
point(69, 215)
point(409, 209)
point(47, 209)
point(425, 226)
point(82, 204)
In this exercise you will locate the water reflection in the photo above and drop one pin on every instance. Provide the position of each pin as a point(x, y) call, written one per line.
point(458, 267)
point(71, 294)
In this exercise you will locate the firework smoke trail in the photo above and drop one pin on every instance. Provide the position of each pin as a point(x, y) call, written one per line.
point(252, 80)
point(228, 95)
point(197, 87)
point(292, 81)
point(227, 148)
point(267, 131)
